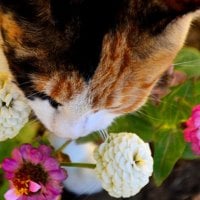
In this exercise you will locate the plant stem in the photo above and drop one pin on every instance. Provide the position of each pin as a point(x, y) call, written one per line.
point(81, 165)
point(62, 146)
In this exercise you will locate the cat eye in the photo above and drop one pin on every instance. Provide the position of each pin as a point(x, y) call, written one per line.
point(43, 96)
point(53, 103)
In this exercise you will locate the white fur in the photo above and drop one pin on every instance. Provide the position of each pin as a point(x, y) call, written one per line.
point(79, 181)
point(72, 120)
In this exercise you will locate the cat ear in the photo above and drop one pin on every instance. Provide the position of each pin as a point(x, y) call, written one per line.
point(154, 15)
point(183, 6)
point(31, 10)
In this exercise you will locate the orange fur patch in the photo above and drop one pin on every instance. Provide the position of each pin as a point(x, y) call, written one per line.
point(129, 68)
point(60, 86)
point(13, 30)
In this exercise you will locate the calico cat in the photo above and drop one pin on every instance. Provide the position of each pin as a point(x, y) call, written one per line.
point(82, 63)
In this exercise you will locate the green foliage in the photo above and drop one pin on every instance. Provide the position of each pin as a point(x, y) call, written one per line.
point(3, 185)
point(168, 149)
point(134, 123)
point(188, 61)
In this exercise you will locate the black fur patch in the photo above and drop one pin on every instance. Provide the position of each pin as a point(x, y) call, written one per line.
point(43, 96)
point(153, 16)
point(93, 19)
point(21, 8)
point(74, 34)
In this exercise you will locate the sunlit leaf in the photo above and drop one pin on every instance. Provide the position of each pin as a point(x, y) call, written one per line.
point(188, 60)
point(28, 132)
point(133, 123)
point(168, 150)
point(188, 154)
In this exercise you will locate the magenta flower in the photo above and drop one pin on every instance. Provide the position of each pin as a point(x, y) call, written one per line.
point(192, 131)
point(33, 174)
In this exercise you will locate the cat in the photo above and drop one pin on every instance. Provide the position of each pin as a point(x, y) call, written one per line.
point(82, 63)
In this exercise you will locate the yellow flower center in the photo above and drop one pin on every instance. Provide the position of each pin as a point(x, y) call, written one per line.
point(21, 186)
point(138, 160)
point(26, 173)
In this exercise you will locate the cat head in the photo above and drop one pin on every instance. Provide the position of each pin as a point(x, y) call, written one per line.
point(81, 63)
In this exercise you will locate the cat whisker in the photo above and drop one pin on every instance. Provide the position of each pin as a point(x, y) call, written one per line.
point(33, 94)
point(103, 134)
point(186, 62)
point(163, 101)
point(148, 116)
point(23, 83)
point(122, 96)
point(106, 133)
point(185, 65)
point(172, 104)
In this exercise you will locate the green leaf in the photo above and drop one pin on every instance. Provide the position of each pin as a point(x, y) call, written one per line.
point(93, 137)
point(28, 132)
point(3, 185)
point(6, 147)
point(188, 154)
point(188, 60)
point(134, 123)
point(168, 150)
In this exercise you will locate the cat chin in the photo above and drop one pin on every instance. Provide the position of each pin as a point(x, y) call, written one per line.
point(81, 126)
point(80, 181)
point(70, 124)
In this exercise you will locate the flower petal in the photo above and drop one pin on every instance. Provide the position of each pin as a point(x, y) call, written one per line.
point(22, 198)
point(9, 175)
point(54, 187)
point(35, 197)
point(51, 164)
point(25, 151)
point(34, 187)
point(51, 196)
point(16, 155)
point(58, 175)
point(11, 194)
point(45, 150)
point(192, 131)
point(36, 156)
point(9, 165)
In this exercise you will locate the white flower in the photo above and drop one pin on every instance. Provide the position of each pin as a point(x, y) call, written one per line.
point(14, 111)
point(124, 164)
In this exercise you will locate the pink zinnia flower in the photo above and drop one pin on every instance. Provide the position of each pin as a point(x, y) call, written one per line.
point(192, 131)
point(33, 174)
